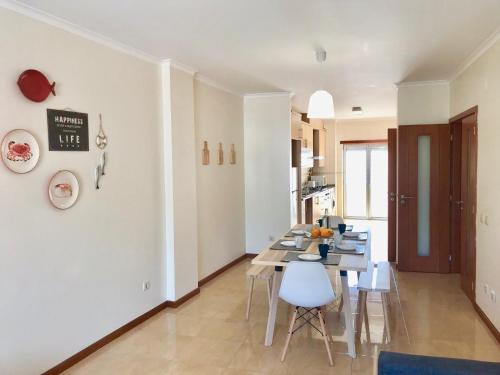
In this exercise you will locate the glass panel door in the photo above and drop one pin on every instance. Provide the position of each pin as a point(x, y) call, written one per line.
point(378, 182)
point(365, 181)
point(355, 181)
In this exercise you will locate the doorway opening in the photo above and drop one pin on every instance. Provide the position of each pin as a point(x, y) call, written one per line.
point(365, 190)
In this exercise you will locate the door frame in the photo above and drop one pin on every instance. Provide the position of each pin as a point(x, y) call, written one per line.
point(392, 188)
point(473, 111)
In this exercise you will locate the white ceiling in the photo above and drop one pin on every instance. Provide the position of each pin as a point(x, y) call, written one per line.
point(252, 46)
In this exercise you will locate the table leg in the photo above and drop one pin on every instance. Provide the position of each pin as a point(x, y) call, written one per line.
point(348, 314)
point(273, 307)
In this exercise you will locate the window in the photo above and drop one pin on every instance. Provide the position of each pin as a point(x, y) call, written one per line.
point(365, 181)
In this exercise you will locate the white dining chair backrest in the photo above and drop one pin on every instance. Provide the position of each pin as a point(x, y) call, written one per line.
point(306, 284)
point(334, 221)
point(377, 278)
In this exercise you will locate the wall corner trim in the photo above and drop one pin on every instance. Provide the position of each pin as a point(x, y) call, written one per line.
point(210, 82)
point(179, 66)
point(70, 27)
point(423, 83)
point(477, 53)
point(269, 94)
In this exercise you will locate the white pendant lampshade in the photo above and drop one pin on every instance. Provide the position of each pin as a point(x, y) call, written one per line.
point(321, 105)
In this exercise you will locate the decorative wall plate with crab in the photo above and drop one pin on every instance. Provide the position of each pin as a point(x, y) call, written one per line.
point(63, 189)
point(20, 151)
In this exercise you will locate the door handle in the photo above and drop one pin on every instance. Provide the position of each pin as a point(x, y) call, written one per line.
point(460, 204)
point(392, 195)
point(403, 198)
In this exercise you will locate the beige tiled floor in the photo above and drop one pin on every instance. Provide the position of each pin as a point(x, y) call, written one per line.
point(209, 335)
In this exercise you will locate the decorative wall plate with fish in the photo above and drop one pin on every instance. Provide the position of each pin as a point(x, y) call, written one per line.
point(20, 151)
point(63, 190)
point(35, 86)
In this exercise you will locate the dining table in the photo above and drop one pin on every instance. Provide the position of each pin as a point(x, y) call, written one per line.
point(348, 262)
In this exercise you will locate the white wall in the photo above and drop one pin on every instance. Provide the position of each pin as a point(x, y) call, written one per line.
point(480, 85)
point(424, 103)
point(67, 278)
point(267, 135)
point(220, 188)
point(353, 130)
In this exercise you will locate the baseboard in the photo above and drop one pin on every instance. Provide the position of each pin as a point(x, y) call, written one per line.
point(487, 321)
point(180, 301)
point(66, 364)
point(221, 270)
point(82, 354)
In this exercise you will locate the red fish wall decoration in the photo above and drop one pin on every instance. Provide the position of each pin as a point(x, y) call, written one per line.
point(35, 86)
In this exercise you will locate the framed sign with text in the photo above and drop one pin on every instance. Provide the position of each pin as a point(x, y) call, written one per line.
point(68, 131)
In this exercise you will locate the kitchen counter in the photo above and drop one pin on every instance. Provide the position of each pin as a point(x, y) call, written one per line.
point(309, 193)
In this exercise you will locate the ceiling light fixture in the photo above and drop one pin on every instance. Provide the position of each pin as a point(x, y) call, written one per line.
point(321, 101)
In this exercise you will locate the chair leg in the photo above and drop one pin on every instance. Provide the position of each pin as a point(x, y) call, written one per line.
point(386, 317)
point(290, 333)
point(328, 334)
point(367, 322)
point(325, 335)
point(249, 303)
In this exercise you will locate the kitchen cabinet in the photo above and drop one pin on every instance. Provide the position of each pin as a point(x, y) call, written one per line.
point(319, 147)
point(296, 131)
point(307, 136)
point(302, 131)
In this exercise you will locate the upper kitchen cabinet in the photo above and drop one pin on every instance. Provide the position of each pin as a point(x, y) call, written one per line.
point(307, 136)
point(302, 131)
point(319, 148)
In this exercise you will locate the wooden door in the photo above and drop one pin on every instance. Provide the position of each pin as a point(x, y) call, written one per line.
point(468, 205)
point(423, 198)
point(392, 204)
point(455, 194)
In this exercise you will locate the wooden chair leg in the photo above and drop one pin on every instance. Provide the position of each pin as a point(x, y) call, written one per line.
point(325, 335)
point(367, 322)
point(328, 333)
point(249, 303)
point(359, 317)
point(386, 317)
point(290, 332)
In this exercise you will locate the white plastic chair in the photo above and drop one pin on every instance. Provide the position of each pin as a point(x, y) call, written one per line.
point(306, 286)
point(334, 221)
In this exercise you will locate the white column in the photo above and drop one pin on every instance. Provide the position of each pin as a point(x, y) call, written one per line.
point(180, 205)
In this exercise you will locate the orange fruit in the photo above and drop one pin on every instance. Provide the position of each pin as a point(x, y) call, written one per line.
point(315, 232)
point(325, 232)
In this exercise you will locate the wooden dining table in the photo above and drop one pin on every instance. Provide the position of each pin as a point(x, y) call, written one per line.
point(348, 262)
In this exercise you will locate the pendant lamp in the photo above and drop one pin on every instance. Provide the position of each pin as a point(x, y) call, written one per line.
point(321, 101)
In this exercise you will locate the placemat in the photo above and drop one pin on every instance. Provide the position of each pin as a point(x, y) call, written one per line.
point(307, 228)
point(358, 251)
point(362, 236)
point(331, 260)
point(279, 246)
